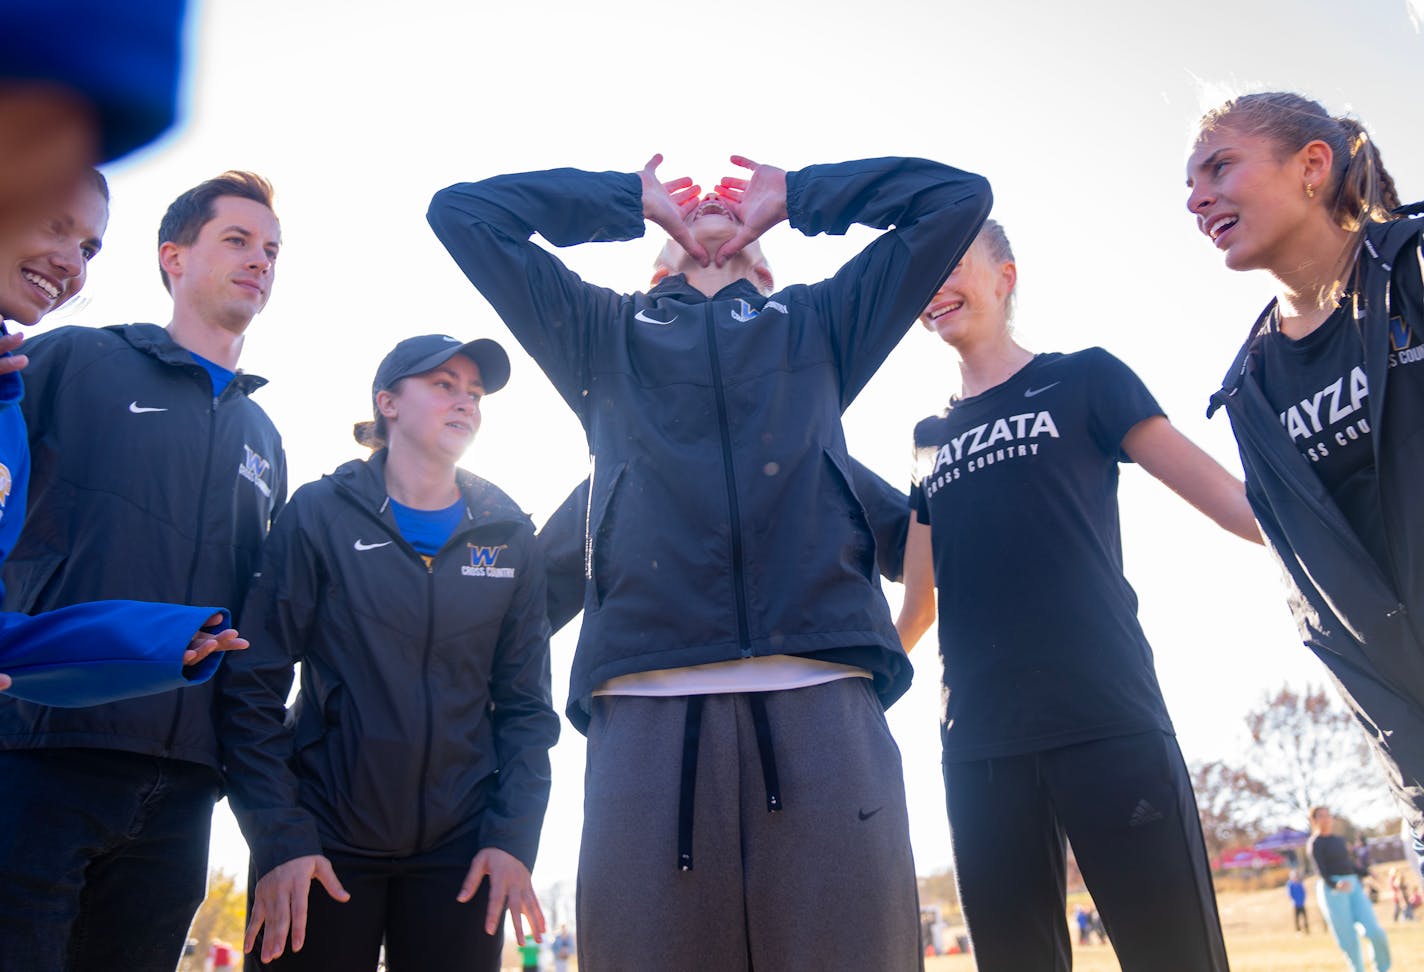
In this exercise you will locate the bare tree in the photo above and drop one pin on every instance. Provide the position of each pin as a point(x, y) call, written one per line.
point(1232, 805)
point(1307, 750)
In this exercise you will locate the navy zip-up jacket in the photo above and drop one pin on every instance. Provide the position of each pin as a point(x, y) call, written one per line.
point(91, 653)
point(722, 522)
point(425, 708)
point(143, 487)
point(1362, 619)
point(563, 540)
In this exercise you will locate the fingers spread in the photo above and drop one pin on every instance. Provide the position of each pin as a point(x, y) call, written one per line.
point(744, 162)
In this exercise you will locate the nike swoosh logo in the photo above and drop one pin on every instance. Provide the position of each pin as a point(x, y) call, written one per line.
point(1030, 392)
point(370, 546)
point(866, 816)
point(138, 409)
point(643, 316)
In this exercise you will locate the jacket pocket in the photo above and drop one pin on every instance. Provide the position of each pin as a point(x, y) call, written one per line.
point(601, 522)
point(314, 721)
point(859, 548)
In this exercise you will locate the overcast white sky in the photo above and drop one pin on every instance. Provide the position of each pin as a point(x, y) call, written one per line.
point(1079, 114)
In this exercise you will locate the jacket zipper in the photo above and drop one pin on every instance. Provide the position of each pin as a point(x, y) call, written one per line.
point(197, 550)
point(738, 571)
point(429, 703)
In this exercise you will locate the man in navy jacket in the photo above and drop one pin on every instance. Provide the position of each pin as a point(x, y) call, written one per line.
point(154, 477)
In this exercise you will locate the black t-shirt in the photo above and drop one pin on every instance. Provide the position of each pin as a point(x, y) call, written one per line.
point(1331, 856)
point(1038, 627)
point(1318, 387)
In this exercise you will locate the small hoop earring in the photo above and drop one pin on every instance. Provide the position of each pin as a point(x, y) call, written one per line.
point(1309, 191)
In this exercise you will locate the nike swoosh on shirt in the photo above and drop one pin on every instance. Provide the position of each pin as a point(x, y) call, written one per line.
point(1030, 392)
point(370, 546)
point(138, 409)
point(643, 316)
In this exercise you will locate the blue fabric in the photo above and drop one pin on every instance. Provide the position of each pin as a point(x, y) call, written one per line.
point(1345, 907)
point(220, 375)
point(123, 58)
point(93, 652)
point(427, 530)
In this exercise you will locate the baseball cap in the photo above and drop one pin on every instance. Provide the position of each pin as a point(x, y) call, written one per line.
point(417, 355)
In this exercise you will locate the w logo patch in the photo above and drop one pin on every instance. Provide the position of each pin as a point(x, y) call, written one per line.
point(485, 556)
point(1400, 335)
point(255, 469)
point(482, 562)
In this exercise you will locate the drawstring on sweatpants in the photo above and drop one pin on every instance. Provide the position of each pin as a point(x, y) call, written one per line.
point(691, 737)
point(768, 759)
point(691, 732)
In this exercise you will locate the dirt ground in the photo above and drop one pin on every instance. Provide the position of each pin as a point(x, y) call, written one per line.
point(1259, 938)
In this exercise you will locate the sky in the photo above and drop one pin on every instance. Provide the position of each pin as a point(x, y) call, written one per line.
point(1080, 115)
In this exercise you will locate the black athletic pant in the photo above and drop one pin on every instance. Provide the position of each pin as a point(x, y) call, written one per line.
point(1126, 805)
point(409, 902)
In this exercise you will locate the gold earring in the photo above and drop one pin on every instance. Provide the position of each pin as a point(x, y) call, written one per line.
point(1309, 191)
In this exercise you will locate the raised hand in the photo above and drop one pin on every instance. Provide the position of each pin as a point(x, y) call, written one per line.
point(759, 203)
point(667, 204)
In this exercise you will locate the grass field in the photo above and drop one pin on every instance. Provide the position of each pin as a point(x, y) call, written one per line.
point(1259, 938)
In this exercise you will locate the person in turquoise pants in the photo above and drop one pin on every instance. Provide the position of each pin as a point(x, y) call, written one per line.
point(1342, 898)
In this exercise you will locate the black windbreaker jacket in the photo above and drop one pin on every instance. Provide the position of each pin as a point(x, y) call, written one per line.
point(143, 486)
point(722, 523)
point(425, 707)
point(562, 539)
point(1364, 621)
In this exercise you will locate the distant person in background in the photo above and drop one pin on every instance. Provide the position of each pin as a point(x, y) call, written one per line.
point(1296, 889)
point(1054, 729)
point(528, 956)
point(1399, 893)
point(563, 948)
point(1341, 896)
point(1325, 396)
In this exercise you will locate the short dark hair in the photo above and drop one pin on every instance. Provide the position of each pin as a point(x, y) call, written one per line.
point(190, 212)
point(100, 183)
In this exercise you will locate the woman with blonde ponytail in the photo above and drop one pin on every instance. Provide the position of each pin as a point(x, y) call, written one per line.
point(1327, 394)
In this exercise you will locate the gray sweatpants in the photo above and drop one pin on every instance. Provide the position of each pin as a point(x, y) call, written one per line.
point(825, 883)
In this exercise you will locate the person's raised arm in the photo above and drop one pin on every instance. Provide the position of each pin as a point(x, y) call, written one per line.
point(871, 302)
point(1157, 446)
point(917, 612)
point(487, 227)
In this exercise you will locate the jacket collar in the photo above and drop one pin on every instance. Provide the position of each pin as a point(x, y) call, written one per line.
point(364, 481)
point(157, 343)
point(677, 287)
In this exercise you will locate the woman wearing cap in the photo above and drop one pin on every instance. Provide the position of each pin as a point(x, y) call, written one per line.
point(411, 777)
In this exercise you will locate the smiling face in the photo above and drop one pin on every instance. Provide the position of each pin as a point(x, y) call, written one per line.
point(972, 304)
point(226, 273)
point(1250, 198)
point(46, 265)
point(437, 412)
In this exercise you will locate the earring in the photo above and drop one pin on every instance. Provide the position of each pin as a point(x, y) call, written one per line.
point(1309, 191)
